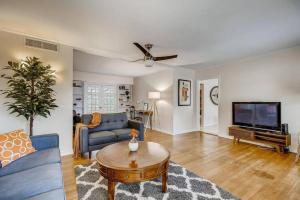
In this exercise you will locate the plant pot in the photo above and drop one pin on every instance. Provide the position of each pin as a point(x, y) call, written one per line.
point(133, 145)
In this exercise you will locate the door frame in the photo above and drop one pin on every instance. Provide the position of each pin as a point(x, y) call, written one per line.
point(201, 104)
point(198, 82)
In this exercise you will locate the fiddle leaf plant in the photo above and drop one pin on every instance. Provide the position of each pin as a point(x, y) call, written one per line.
point(29, 89)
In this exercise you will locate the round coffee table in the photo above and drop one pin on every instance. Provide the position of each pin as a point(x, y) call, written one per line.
point(118, 164)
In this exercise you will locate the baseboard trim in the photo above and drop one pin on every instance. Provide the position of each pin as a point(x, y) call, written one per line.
point(162, 131)
point(185, 131)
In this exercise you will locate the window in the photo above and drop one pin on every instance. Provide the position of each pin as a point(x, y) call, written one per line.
point(109, 95)
point(92, 99)
point(100, 98)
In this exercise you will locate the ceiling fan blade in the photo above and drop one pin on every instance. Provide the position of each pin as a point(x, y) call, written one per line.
point(137, 60)
point(164, 57)
point(142, 49)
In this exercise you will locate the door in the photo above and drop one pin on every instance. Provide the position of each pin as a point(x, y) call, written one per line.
point(100, 98)
point(201, 104)
point(108, 99)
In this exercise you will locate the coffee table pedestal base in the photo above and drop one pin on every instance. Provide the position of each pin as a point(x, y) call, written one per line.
point(134, 176)
point(111, 187)
point(118, 164)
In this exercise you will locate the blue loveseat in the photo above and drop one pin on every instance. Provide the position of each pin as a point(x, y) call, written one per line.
point(114, 127)
point(35, 176)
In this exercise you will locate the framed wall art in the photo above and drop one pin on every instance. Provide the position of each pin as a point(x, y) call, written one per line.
point(184, 92)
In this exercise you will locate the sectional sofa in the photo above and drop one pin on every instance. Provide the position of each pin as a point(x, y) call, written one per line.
point(37, 175)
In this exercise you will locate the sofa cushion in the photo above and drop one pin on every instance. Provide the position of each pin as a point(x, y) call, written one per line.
point(45, 141)
point(31, 182)
point(101, 137)
point(109, 122)
point(14, 145)
point(35, 159)
point(122, 134)
point(58, 194)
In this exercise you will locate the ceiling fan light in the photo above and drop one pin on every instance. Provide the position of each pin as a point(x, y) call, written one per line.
point(149, 63)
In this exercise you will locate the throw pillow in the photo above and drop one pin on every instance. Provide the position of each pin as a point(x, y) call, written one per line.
point(14, 145)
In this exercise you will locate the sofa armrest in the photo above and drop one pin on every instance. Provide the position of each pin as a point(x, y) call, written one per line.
point(138, 126)
point(84, 140)
point(46, 141)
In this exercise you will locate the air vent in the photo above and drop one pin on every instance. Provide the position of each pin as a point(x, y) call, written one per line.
point(41, 44)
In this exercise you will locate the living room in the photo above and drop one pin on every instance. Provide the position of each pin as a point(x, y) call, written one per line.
point(165, 95)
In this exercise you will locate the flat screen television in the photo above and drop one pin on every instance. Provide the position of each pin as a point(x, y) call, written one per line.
point(262, 115)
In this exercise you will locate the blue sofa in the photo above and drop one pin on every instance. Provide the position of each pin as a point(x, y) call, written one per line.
point(37, 175)
point(114, 127)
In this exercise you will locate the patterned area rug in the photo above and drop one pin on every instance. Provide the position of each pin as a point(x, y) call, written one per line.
point(182, 185)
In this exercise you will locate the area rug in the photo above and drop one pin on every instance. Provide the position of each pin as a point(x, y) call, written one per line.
point(182, 185)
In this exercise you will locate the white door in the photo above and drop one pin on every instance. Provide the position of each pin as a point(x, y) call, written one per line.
point(109, 99)
point(100, 98)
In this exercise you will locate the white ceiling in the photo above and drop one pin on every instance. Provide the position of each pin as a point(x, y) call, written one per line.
point(205, 32)
point(86, 62)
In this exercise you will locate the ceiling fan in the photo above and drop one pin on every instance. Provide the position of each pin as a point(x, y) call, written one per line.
point(148, 58)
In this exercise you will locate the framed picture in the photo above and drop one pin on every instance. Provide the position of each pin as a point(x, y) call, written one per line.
point(184, 92)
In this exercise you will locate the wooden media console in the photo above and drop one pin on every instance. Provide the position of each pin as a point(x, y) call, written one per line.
point(274, 139)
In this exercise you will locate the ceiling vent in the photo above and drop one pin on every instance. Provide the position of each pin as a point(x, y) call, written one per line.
point(41, 44)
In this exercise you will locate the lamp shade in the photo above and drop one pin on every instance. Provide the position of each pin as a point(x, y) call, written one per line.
point(149, 62)
point(154, 95)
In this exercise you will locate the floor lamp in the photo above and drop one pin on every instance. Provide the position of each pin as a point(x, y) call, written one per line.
point(153, 97)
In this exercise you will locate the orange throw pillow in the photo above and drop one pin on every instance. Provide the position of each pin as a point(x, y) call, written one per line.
point(14, 145)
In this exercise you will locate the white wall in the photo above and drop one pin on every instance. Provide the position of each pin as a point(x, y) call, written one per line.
point(271, 77)
point(12, 48)
point(210, 110)
point(163, 82)
point(174, 119)
point(184, 116)
point(101, 78)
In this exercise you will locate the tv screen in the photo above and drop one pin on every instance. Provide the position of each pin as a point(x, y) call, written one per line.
point(265, 115)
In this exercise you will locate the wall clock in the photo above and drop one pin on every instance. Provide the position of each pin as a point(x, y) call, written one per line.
point(214, 95)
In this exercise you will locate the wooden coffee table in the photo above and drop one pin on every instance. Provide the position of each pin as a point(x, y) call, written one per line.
point(118, 164)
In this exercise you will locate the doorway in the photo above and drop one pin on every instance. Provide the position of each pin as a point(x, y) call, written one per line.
point(208, 106)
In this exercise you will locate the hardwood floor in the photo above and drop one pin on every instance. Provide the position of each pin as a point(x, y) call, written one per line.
point(247, 171)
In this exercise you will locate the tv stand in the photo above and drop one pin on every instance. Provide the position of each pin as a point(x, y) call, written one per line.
point(271, 138)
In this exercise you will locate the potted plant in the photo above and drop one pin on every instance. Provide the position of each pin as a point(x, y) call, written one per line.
point(29, 89)
point(133, 143)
